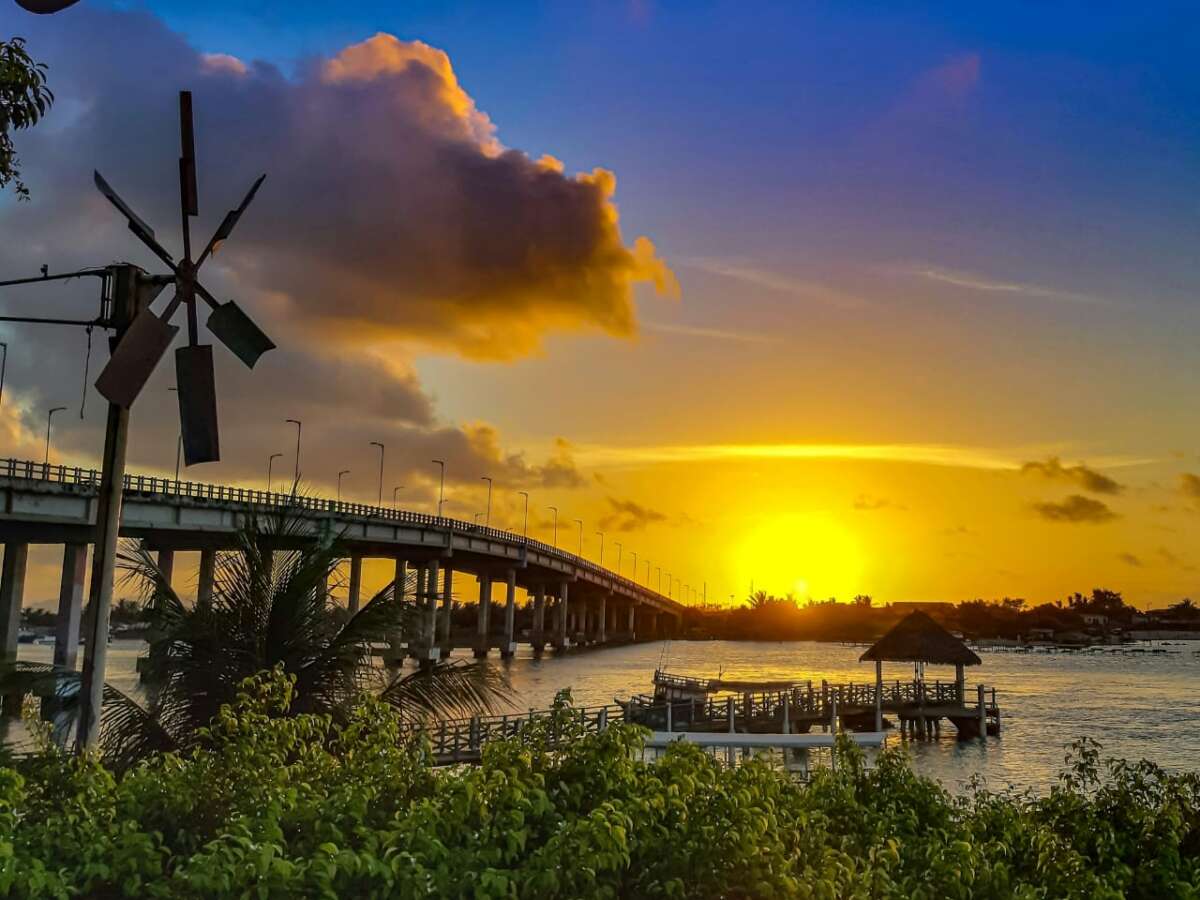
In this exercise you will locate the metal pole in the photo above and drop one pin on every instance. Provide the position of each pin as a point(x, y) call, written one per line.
point(296, 422)
point(554, 509)
point(49, 416)
point(398, 487)
point(178, 455)
point(618, 556)
point(127, 302)
point(601, 534)
point(379, 501)
point(339, 487)
point(487, 522)
point(270, 463)
point(441, 486)
point(3, 366)
point(579, 522)
point(525, 527)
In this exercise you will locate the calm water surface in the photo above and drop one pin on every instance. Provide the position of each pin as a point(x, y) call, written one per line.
point(1141, 706)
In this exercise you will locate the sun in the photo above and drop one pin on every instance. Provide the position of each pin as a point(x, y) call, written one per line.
point(807, 554)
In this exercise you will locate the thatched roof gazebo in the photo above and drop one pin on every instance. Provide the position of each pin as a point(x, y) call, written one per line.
point(918, 639)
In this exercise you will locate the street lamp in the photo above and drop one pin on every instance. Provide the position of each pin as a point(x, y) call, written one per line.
point(271, 462)
point(668, 585)
point(340, 474)
point(380, 446)
point(3, 366)
point(397, 488)
point(619, 550)
point(635, 568)
point(49, 416)
point(477, 515)
point(647, 573)
point(487, 522)
point(579, 522)
point(441, 486)
point(554, 509)
point(525, 527)
point(601, 533)
point(296, 422)
point(658, 569)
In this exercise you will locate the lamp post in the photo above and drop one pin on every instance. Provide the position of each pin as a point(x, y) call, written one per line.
point(619, 549)
point(579, 522)
point(554, 509)
point(634, 568)
point(270, 463)
point(49, 416)
point(379, 500)
point(441, 486)
point(647, 573)
point(340, 474)
point(3, 366)
point(525, 527)
point(395, 490)
point(601, 534)
point(658, 569)
point(487, 522)
point(296, 477)
point(477, 515)
point(668, 585)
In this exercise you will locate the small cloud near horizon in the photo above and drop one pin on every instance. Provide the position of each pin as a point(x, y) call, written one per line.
point(1087, 478)
point(1075, 509)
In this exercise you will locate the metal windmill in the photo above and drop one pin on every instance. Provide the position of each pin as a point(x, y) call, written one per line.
point(149, 334)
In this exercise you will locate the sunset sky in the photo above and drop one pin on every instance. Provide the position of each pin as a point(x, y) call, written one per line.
point(823, 297)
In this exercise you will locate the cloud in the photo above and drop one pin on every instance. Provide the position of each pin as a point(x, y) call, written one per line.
point(1130, 560)
point(1189, 486)
point(391, 211)
point(927, 454)
point(1087, 478)
point(757, 276)
point(1076, 509)
point(995, 286)
point(865, 503)
point(717, 334)
point(627, 515)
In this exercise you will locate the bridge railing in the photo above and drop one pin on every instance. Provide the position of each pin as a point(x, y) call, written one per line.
point(193, 490)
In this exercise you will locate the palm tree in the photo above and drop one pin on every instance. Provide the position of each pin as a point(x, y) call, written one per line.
point(268, 610)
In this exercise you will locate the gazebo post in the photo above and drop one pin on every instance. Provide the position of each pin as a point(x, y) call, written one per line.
point(879, 694)
point(960, 682)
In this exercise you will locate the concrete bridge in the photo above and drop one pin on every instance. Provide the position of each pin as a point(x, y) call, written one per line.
point(574, 600)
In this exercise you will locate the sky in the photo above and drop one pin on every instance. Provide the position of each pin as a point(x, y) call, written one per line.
point(814, 298)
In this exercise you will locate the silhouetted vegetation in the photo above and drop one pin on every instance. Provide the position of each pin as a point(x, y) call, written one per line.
point(24, 99)
point(1080, 617)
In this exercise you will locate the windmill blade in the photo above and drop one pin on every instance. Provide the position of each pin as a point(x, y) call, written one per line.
point(45, 7)
point(144, 232)
point(229, 222)
point(134, 358)
point(237, 331)
point(187, 159)
point(197, 404)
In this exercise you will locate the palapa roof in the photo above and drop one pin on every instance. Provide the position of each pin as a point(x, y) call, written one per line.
point(917, 638)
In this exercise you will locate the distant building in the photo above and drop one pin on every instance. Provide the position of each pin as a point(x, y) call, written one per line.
point(921, 606)
point(1095, 619)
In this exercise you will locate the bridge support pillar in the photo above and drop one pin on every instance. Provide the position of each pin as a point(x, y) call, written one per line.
point(482, 623)
point(166, 564)
point(539, 618)
point(12, 595)
point(602, 620)
point(70, 605)
point(560, 639)
point(631, 625)
point(424, 645)
point(509, 647)
point(205, 577)
point(401, 578)
point(354, 595)
point(447, 608)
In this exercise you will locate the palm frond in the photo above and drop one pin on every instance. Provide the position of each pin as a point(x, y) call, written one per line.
point(448, 690)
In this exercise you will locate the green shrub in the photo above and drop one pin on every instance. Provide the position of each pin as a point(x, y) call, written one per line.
point(268, 805)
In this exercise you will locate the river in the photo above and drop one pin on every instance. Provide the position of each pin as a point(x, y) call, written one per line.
point(1136, 706)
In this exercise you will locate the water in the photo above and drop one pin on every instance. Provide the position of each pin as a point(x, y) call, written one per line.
point(1144, 706)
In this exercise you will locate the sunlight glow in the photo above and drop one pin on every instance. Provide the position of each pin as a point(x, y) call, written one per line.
point(808, 554)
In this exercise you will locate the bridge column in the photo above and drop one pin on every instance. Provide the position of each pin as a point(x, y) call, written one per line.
point(631, 626)
point(70, 604)
point(509, 647)
point(401, 577)
point(602, 619)
point(166, 564)
point(447, 608)
point(482, 623)
point(424, 647)
point(560, 639)
point(539, 618)
point(206, 577)
point(12, 595)
point(354, 595)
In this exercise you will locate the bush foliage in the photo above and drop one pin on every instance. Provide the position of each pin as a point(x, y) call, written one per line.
point(267, 805)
